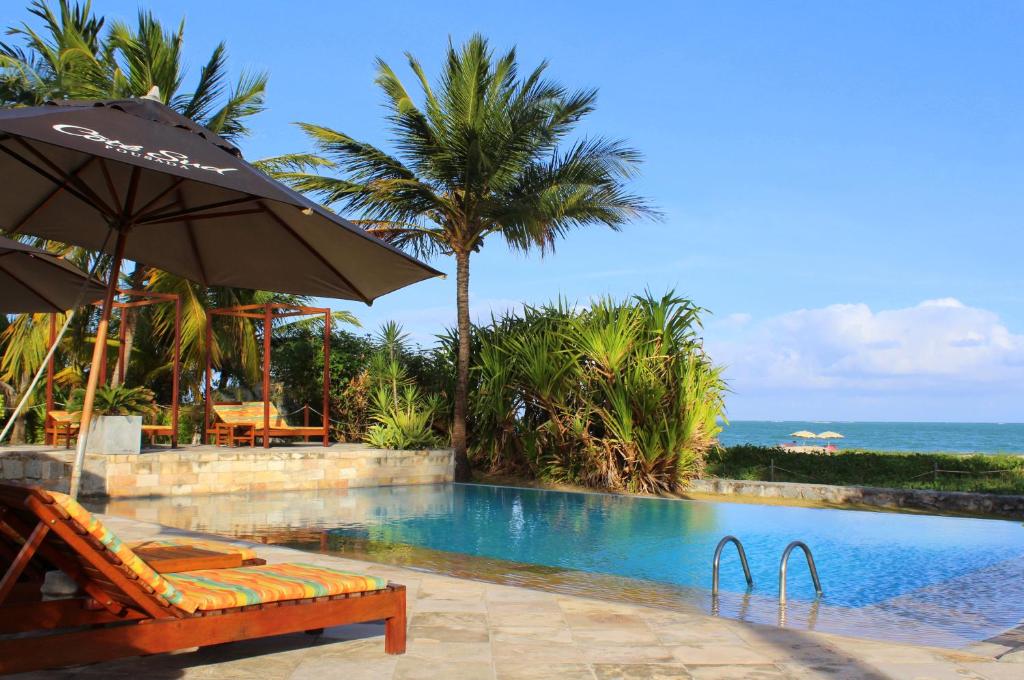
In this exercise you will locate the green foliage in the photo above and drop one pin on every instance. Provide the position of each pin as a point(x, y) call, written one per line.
point(117, 401)
point(403, 417)
point(619, 395)
point(979, 473)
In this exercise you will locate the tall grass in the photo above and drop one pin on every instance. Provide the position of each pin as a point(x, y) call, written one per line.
point(618, 395)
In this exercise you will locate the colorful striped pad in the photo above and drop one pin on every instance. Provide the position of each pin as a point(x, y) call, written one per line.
point(210, 589)
point(246, 552)
point(143, 571)
point(249, 413)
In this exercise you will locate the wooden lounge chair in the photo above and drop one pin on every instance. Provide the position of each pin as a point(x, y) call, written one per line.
point(130, 609)
point(60, 425)
point(249, 414)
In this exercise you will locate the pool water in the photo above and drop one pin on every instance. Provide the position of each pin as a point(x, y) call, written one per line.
point(862, 558)
point(940, 580)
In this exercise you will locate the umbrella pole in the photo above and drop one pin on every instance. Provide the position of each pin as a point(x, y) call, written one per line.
point(47, 362)
point(94, 372)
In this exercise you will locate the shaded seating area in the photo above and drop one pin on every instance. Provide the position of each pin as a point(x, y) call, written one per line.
point(130, 608)
point(62, 426)
point(243, 422)
point(231, 423)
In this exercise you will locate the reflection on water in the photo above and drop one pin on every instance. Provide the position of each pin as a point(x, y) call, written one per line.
point(940, 581)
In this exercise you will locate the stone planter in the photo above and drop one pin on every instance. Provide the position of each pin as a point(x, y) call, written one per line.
point(115, 435)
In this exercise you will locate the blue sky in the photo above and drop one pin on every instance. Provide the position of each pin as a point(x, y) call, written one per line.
point(842, 181)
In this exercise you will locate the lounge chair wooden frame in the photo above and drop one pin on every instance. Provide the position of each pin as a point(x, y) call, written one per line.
point(137, 298)
point(124, 616)
point(59, 425)
point(267, 313)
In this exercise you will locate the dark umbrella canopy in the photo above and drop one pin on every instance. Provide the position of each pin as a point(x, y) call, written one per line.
point(186, 200)
point(32, 280)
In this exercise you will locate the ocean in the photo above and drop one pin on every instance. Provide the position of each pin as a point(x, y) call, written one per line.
point(921, 437)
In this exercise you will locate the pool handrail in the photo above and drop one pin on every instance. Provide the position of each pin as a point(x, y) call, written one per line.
point(785, 563)
point(718, 558)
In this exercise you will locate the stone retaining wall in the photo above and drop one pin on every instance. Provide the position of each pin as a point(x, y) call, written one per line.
point(915, 499)
point(205, 470)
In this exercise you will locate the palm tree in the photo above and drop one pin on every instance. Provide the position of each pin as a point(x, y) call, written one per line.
point(483, 152)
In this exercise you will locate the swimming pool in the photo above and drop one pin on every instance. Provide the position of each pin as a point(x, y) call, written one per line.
point(939, 580)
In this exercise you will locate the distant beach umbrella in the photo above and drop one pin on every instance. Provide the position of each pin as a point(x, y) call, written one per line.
point(830, 435)
point(804, 434)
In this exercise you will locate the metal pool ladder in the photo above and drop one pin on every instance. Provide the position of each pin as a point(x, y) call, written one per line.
point(718, 558)
point(783, 565)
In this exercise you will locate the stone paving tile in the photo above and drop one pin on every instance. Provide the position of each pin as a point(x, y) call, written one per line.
point(926, 671)
point(528, 670)
point(727, 672)
point(641, 672)
point(411, 668)
point(449, 627)
point(997, 671)
point(830, 671)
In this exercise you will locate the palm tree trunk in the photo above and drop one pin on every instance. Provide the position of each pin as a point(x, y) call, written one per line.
point(462, 473)
point(18, 431)
point(129, 322)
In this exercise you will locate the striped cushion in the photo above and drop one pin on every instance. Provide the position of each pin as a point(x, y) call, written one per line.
point(143, 571)
point(246, 552)
point(211, 589)
point(248, 413)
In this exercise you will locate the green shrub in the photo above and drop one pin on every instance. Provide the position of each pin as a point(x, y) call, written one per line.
point(619, 395)
point(117, 401)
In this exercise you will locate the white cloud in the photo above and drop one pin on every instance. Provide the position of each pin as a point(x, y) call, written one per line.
point(941, 345)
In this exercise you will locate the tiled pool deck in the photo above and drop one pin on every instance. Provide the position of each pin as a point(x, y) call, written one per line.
point(461, 629)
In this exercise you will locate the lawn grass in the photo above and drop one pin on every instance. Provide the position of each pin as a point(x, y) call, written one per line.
point(899, 470)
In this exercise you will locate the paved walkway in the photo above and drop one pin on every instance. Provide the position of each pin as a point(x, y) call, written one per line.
point(461, 630)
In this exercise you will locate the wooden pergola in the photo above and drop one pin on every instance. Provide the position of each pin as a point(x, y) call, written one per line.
point(267, 313)
point(137, 298)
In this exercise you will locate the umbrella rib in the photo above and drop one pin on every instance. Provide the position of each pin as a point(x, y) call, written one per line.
point(316, 253)
point(53, 194)
point(158, 217)
point(82, 186)
point(74, 192)
point(174, 185)
point(31, 289)
point(203, 216)
point(110, 181)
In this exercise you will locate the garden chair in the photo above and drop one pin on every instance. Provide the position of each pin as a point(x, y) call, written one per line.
point(130, 609)
point(60, 425)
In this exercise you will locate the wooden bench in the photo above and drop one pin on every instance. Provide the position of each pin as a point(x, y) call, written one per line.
point(249, 414)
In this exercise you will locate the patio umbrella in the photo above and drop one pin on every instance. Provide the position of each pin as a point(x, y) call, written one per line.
point(830, 435)
point(33, 281)
point(179, 198)
point(803, 434)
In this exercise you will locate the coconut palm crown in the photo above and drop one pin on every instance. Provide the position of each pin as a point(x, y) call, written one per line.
point(481, 152)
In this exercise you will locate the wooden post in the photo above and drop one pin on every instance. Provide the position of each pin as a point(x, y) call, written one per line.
point(268, 325)
point(327, 378)
point(935, 472)
point(209, 378)
point(49, 377)
point(121, 359)
point(305, 421)
point(771, 470)
point(94, 372)
point(176, 375)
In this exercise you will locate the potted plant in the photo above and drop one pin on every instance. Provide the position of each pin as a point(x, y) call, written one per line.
point(117, 425)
